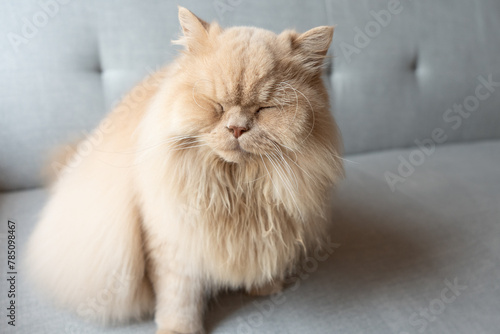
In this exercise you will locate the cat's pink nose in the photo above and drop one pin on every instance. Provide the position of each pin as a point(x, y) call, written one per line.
point(237, 130)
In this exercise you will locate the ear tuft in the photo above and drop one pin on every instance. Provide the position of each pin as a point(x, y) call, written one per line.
point(194, 30)
point(311, 47)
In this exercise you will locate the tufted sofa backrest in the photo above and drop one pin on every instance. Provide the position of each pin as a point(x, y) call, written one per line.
point(403, 72)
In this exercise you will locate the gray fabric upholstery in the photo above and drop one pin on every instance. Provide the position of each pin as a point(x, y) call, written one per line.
point(395, 253)
point(64, 64)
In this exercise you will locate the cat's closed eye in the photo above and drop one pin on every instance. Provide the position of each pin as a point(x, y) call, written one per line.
point(219, 107)
point(262, 108)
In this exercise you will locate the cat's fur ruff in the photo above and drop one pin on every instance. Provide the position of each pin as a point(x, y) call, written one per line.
point(171, 207)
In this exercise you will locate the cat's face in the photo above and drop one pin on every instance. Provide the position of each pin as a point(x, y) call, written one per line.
point(250, 92)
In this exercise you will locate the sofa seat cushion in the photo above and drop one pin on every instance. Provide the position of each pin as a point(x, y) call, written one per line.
point(421, 255)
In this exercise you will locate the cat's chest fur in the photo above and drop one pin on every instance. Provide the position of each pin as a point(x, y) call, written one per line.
point(249, 241)
point(231, 223)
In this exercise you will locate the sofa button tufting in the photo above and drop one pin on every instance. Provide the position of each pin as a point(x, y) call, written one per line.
point(414, 64)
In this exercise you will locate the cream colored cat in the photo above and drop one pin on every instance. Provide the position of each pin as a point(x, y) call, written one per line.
point(215, 178)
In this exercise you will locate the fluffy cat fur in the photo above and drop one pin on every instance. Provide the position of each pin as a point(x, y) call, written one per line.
point(217, 177)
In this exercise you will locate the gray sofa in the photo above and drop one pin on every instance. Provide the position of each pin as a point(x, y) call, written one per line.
point(415, 232)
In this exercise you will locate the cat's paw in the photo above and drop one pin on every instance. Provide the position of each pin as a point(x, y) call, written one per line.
point(268, 289)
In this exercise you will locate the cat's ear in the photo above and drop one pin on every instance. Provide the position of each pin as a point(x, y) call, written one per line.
point(311, 47)
point(194, 30)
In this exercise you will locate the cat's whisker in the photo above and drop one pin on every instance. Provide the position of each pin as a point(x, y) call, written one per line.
point(279, 105)
point(280, 169)
point(186, 141)
point(344, 159)
point(291, 172)
point(294, 160)
point(304, 171)
point(168, 142)
point(256, 179)
point(286, 164)
point(273, 163)
point(269, 174)
point(177, 143)
point(283, 95)
point(286, 182)
point(292, 150)
point(187, 147)
point(141, 150)
point(183, 142)
point(294, 176)
point(299, 151)
point(310, 106)
point(296, 99)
